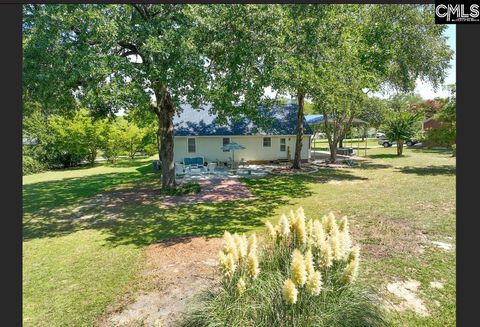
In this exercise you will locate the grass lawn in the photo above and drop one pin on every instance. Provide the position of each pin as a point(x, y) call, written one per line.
point(81, 252)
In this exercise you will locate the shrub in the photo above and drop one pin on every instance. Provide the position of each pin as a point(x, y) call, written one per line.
point(31, 166)
point(304, 274)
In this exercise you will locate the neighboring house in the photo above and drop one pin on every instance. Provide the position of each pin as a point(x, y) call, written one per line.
point(198, 133)
point(430, 123)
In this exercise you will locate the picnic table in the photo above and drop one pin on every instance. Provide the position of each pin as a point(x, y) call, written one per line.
point(345, 151)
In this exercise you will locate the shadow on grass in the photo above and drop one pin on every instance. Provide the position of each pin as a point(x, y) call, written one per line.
point(368, 165)
point(146, 222)
point(436, 150)
point(47, 195)
point(430, 170)
point(385, 156)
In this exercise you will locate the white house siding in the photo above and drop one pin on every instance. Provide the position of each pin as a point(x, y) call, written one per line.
point(209, 147)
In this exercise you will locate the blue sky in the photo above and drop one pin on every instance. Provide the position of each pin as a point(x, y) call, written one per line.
point(426, 90)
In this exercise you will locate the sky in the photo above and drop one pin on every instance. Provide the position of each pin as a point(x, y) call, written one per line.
point(426, 90)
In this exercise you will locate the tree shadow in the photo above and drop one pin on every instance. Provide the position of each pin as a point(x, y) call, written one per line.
point(47, 195)
point(385, 156)
point(49, 213)
point(368, 165)
point(430, 170)
point(429, 150)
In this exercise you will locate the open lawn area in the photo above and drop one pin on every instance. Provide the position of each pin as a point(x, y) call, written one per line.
point(84, 242)
point(322, 144)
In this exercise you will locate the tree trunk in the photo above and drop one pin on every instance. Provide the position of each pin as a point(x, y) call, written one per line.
point(298, 144)
point(399, 147)
point(158, 142)
point(165, 111)
point(340, 143)
point(92, 156)
point(333, 152)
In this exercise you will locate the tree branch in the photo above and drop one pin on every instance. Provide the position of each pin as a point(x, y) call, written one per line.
point(141, 10)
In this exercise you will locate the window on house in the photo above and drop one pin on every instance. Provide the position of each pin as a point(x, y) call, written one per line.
point(283, 145)
point(192, 147)
point(267, 142)
point(226, 140)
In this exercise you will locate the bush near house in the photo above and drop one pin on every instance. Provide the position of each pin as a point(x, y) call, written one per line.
point(305, 274)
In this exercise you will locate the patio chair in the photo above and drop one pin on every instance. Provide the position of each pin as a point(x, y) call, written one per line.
point(194, 162)
point(179, 169)
point(243, 162)
point(211, 167)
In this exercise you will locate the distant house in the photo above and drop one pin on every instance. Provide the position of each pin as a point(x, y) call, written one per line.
point(198, 133)
point(430, 123)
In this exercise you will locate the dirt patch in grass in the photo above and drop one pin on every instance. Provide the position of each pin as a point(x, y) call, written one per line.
point(385, 237)
point(175, 271)
point(406, 297)
point(210, 191)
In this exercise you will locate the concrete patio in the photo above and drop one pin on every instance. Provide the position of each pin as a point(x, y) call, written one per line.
point(250, 171)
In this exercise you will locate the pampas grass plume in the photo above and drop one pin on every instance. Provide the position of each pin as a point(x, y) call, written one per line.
point(252, 265)
point(314, 283)
point(290, 292)
point(283, 227)
point(299, 272)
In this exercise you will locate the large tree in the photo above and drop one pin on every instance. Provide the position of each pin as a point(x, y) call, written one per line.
point(384, 47)
point(149, 58)
point(308, 31)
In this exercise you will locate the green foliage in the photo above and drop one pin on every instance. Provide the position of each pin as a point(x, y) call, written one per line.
point(400, 127)
point(67, 141)
point(446, 134)
point(244, 299)
point(115, 142)
point(31, 166)
point(403, 101)
point(374, 111)
point(64, 141)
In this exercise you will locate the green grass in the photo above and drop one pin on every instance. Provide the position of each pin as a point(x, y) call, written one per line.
point(80, 255)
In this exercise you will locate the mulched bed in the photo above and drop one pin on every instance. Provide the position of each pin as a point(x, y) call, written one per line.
point(212, 191)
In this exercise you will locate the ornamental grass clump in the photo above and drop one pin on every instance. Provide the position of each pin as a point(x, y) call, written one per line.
point(301, 272)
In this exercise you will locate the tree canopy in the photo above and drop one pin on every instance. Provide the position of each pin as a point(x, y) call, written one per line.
point(149, 59)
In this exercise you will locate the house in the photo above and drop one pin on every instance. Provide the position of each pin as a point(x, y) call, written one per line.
point(430, 123)
point(199, 133)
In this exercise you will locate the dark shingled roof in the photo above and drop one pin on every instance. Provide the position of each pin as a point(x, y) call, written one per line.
point(193, 122)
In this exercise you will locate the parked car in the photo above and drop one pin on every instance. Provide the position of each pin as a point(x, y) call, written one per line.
point(387, 143)
point(379, 135)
